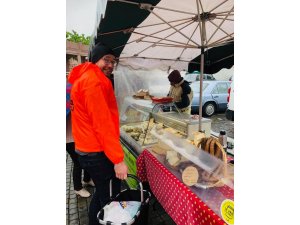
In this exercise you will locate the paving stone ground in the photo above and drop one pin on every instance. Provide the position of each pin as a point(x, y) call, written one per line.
point(77, 207)
point(219, 122)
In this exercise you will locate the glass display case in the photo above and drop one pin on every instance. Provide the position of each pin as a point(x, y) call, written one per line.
point(208, 159)
point(139, 116)
point(136, 122)
point(203, 169)
point(170, 116)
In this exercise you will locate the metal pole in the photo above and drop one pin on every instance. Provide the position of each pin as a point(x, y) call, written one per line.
point(202, 35)
point(201, 84)
point(203, 38)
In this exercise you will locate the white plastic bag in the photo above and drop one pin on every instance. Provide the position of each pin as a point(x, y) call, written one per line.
point(121, 212)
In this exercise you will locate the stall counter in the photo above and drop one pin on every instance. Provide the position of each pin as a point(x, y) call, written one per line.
point(182, 203)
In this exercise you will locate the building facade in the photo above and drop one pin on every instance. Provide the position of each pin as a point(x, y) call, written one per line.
point(76, 53)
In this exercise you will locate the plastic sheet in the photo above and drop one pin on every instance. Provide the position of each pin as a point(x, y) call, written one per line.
point(128, 82)
point(212, 165)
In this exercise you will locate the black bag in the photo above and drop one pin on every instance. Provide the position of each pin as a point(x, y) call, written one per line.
point(142, 196)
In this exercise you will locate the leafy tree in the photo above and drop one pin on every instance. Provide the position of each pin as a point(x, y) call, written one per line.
point(75, 37)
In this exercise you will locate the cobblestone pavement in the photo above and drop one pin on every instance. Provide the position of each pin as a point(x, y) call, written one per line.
point(77, 207)
point(219, 122)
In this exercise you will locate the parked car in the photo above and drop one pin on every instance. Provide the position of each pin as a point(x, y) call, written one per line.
point(214, 97)
point(229, 114)
point(195, 76)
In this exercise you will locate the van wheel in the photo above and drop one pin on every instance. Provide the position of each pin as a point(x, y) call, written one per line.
point(209, 109)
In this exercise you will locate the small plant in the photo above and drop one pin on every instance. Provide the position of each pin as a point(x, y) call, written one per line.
point(75, 37)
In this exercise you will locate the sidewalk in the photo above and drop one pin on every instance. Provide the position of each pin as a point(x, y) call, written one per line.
point(77, 207)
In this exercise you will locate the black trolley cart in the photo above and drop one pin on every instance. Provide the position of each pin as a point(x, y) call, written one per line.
point(129, 194)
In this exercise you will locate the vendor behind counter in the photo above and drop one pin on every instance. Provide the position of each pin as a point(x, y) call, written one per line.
point(180, 91)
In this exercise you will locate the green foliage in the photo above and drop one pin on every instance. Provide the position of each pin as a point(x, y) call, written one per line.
point(75, 37)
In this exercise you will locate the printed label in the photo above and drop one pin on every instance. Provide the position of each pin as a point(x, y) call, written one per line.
point(227, 211)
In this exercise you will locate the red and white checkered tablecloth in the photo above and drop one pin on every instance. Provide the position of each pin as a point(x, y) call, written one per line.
point(182, 204)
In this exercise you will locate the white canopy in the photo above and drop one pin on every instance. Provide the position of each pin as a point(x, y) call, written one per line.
point(177, 30)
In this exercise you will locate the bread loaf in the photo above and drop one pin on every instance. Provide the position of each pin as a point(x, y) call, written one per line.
point(198, 137)
point(202, 143)
point(196, 175)
point(212, 147)
point(190, 176)
point(207, 144)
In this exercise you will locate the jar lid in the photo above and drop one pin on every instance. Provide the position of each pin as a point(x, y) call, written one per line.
point(222, 132)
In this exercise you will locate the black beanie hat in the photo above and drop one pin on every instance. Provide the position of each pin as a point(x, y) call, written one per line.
point(175, 77)
point(99, 51)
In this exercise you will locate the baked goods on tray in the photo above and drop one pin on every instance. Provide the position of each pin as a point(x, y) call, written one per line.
point(194, 175)
point(200, 177)
point(142, 94)
point(213, 146)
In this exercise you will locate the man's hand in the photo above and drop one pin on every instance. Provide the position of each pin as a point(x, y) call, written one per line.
point(121, 170)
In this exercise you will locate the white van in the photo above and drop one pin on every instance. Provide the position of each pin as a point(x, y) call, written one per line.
point(230, 107)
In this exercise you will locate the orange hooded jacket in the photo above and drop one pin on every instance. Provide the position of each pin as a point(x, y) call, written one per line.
point(95, 116)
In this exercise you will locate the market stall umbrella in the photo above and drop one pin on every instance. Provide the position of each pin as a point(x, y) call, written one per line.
point(174, 33)
point(215, 59)
point(114, 28)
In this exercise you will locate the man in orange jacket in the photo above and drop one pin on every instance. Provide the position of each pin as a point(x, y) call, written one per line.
point(95, 126)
